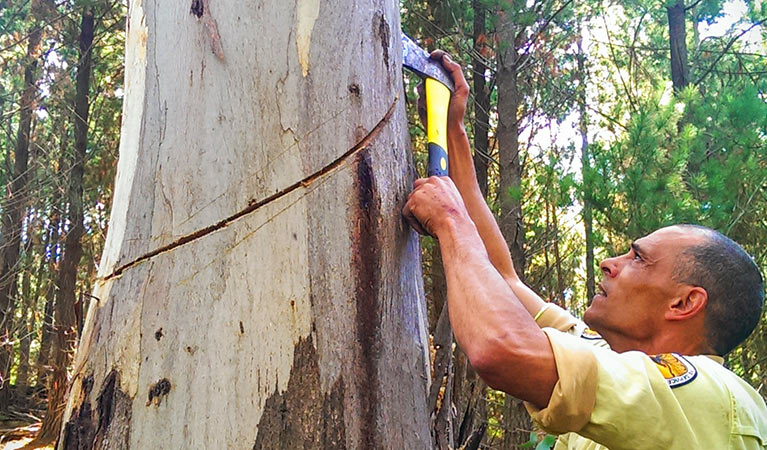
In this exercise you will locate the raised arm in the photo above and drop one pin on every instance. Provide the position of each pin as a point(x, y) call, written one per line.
point(500, 338)
point(464, 176)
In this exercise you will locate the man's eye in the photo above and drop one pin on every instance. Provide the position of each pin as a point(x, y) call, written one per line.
point(637, 257)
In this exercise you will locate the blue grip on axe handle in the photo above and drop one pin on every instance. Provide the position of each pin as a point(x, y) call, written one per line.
point(437, 165)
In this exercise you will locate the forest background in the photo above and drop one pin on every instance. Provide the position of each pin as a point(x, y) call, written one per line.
point(593, 123)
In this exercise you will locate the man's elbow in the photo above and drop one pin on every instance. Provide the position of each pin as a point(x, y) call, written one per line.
point(526, 371)
point(492, 358)
point(489, 360)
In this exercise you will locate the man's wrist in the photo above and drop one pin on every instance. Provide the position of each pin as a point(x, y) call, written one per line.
point(455, 227)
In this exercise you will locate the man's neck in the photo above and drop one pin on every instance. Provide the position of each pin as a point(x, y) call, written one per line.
point(655, 345)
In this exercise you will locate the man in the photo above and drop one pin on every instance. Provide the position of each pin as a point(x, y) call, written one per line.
point(648, 374)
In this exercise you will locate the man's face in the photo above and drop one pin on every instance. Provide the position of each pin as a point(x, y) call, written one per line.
point(638, 288)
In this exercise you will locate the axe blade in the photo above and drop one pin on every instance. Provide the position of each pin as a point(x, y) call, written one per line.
point(417, 59)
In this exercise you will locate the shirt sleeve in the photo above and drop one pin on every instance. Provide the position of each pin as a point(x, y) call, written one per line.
point(613, 399)
point(553, 316)
point(574, 395)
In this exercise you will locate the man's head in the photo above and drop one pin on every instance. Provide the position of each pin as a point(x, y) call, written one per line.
point(733, 283)
point(685, 288)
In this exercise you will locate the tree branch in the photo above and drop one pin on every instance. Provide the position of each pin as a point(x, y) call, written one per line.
point(615, 61)
point(522, 59)
point(726, 48)
point(696, 3)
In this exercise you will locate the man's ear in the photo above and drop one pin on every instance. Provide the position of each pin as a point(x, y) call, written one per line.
point(689, 304)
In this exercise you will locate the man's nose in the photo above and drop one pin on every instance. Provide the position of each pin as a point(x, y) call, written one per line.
point(609, 267)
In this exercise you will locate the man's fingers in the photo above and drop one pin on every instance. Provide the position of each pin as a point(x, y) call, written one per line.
point(454, 68)
point(419, 182)
point(437, 54)
point(457, 109)
point(411, 219)
point(416, 225)
point(431, 200)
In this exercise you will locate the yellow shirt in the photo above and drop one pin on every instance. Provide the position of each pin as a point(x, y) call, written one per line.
point(634, 401)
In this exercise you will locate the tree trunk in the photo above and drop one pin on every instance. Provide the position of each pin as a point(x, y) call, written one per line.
point(16, 201)
point(481, 97)
point(65, 326)
point(548, 280)
point(258, 286)
point(509, 189)
point(680, 71)
point(557, 256)
point(588, 220)
point(40, 287)
point(440, 402)
point(46, 335)
point(695, 29)
point(517, 423)
point(437, 295)
point(24, 328)
point(468, 397)
point(442, 368)
point(43, 356)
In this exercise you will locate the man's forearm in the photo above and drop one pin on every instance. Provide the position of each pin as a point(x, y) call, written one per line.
point(492, 327)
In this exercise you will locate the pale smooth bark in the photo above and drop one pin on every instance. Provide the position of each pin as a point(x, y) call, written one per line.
point(276, 298)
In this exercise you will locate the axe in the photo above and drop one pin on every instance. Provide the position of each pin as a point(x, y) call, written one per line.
point(439, 88)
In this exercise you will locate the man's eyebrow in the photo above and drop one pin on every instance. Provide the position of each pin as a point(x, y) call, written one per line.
point(637, 249)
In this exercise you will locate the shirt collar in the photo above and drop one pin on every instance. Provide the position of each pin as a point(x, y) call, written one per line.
point(716, 358)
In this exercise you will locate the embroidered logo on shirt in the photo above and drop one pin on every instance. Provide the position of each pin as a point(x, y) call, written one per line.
point(675, 368)
point(590, 334)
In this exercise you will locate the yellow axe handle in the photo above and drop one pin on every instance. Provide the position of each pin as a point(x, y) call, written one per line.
point(437, 101)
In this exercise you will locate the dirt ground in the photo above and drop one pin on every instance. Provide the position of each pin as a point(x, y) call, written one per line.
point(15, 435)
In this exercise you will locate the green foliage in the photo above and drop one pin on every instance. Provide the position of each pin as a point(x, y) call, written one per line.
point(702, 165)
point(546, 443)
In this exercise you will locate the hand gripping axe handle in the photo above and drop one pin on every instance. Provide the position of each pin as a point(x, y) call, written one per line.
point(439, 88)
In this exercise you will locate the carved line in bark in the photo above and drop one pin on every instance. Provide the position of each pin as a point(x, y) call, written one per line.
point(254, 205)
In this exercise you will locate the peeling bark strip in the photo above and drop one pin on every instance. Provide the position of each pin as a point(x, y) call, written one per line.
point(307, 12)
point(113, 416)
point(367, 262)
point(255, 205)
point(303, 417)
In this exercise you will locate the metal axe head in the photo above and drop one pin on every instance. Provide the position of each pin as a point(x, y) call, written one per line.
point(417, 59)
